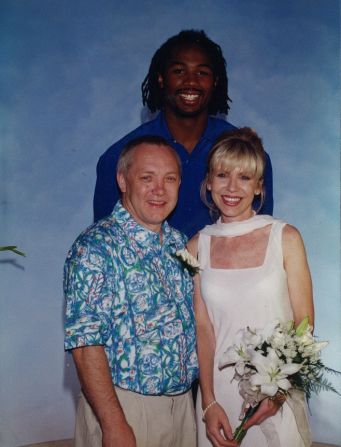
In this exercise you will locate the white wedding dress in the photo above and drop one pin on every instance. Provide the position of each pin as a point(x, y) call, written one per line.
point(235, 299)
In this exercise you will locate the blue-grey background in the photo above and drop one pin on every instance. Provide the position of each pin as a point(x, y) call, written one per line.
point(70, 86)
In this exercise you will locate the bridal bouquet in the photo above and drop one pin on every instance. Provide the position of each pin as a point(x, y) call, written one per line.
point(272, 361)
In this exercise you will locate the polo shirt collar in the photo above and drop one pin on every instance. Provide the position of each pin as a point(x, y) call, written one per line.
point(207, 135)
point(164, 127)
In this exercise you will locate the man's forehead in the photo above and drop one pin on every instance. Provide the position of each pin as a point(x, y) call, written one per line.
point(180, 54)
point(152, 155)
point(148, 148)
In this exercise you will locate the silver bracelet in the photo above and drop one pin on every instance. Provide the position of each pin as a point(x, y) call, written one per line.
point(207, 408)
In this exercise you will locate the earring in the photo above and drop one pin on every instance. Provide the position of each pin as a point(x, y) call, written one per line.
point(160, 81)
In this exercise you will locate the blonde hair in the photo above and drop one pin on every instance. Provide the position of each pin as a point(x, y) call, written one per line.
point(241, 148)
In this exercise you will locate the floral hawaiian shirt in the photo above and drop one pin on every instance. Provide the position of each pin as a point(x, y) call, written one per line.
point(126, 290)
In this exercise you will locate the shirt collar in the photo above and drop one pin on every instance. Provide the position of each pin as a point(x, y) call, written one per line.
point(163, 125)
point(207, 135)
point(144, 238)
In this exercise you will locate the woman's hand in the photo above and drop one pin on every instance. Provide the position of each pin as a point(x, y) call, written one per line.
point(218, 429)
point(267, 408)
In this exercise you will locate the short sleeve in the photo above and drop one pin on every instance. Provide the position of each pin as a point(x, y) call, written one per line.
point(87, 296)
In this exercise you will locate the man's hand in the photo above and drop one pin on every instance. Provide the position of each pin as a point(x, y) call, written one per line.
point(218, 429)
point(121, 435)
point(94, 375)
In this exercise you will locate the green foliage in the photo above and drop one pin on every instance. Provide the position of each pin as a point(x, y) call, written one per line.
point(12, 248)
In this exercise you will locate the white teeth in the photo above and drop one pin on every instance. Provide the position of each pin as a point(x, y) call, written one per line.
point(189, 97)
point(231, 199)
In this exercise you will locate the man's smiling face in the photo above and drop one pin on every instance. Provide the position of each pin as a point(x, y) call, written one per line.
point(151, 184)
point(188, 82)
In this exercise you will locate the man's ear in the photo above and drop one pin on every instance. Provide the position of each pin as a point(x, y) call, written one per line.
point(121, 182)
point(160, 80)
point(216, 81)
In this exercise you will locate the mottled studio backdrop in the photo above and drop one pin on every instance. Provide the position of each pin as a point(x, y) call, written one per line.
point(70, 74)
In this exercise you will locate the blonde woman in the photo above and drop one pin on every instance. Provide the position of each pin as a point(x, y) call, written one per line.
point(253, 271)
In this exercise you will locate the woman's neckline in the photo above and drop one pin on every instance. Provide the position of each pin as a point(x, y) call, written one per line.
point(237, 228)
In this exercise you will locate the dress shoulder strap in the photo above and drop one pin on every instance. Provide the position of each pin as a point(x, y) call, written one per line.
point(275, 242)
point(204, 255)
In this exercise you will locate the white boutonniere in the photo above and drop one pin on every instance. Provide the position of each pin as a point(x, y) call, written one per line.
point(188, 261)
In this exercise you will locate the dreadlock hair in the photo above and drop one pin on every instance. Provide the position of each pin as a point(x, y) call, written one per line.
point(152, 93)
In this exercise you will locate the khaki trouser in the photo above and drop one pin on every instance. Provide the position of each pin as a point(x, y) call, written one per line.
point(157, 421)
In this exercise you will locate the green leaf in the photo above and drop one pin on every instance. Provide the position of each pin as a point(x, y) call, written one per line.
point(12, 248)
point(302, 327)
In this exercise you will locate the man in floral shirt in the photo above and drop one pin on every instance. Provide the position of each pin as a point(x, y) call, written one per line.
point(129, 318)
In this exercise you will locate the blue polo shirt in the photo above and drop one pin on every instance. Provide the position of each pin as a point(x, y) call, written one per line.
point(190, 215)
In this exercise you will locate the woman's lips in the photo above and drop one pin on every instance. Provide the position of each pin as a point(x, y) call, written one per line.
point(231, 201)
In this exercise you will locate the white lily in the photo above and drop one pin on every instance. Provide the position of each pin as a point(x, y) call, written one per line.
point(238, 352)
point(313, 349)
point(235, 354)
point(269, 329)
point(253, 337)
point(231, 356)
point(272, 373)
point(306, 339)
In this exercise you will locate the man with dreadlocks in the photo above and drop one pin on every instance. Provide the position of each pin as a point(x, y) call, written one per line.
point(187, 84)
